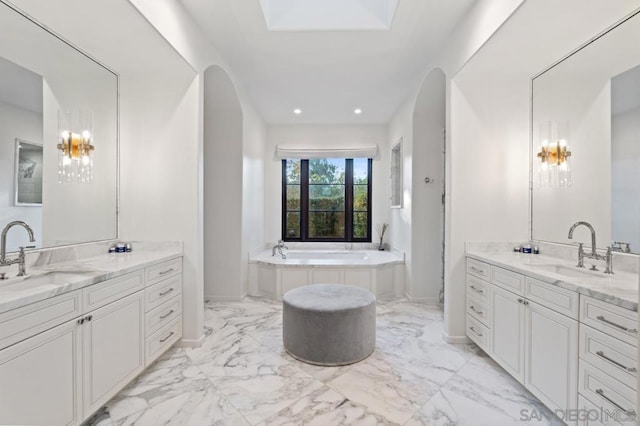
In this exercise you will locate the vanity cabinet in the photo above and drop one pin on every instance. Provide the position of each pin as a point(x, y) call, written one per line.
point(608, 360)
point(508, 331)
point(534, 341)
point(62, 370)
point(40, 378)
point(113, 349)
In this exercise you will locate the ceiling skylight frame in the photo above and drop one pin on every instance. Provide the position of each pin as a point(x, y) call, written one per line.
point(329, 15)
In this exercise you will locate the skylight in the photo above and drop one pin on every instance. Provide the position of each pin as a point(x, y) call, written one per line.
point(328, 15)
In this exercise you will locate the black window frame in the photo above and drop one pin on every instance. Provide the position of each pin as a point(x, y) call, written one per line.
point(348, 205)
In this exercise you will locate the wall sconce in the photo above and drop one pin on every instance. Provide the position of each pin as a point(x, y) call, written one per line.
point(75, 148)
point(554, 155)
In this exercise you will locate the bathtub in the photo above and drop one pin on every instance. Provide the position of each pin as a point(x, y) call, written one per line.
point(381, 272)
point(324, 255)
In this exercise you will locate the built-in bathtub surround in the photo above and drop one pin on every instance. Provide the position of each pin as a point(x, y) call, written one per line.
point(380, 272)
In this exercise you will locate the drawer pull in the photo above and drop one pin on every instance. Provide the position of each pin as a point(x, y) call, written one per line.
point(164, 293)
point(167, 314)
point(621, 327)
point(627, 412)
point(166, 272)
point(613, 361)
point(475, 331)
point(167, 338)
point(478, 270)
point(477, 290)
point(474, 309)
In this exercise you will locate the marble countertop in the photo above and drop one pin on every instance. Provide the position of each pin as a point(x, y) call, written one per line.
point(52, 280)
point(373, 258)
point(620, 288)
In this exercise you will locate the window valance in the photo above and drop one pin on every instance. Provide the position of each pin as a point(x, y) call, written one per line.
point(360, 152)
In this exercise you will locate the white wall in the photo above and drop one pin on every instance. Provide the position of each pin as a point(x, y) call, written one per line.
point(253, 188)
point(325, 136)
point(15, 123)
point(222, 187)
point(490, 127)
point(159, 128)
point(176, 26)
point(471, 33)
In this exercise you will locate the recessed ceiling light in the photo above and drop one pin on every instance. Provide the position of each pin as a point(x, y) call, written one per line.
point(357, 111)
point(297, 111)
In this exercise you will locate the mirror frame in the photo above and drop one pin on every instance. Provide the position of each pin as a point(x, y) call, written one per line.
point(18, 144)
point(117, 171)
point(532, 148)
point(397, 153)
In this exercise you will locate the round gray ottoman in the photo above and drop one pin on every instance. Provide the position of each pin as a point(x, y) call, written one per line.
point(329, 324)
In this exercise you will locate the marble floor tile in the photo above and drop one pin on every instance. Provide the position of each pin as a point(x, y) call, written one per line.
point(384, 388)
point(172, 392)
point(273, 388)
point(481, 393)
point(242, 375)
point(324, 407)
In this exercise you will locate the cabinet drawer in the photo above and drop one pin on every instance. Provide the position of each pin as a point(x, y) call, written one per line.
point(478, 288)
point(592, 415)
point(159, 293)
point(610, 319)
point(19, 324)
point(616, 358)
point(162, 340)
point(477, 268)
point(109, 291)
point(605, 391)
point(564, 301)
point(507, 280)
point(162, 315)
point(478, 310)
point(164, 270)
point(479, 333)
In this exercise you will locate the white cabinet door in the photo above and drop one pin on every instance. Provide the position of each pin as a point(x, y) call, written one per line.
point(40, 380)
point(113, 340)
point(552, 357)
point(507, 331)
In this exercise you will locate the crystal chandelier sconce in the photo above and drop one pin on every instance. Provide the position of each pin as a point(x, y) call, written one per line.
point(554, 155)
point(75, 147)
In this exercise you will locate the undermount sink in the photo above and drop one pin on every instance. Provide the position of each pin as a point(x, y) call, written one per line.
point(567, 271)
point(31, 281)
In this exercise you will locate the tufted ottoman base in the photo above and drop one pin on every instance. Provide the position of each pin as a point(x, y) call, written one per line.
point(329, 324)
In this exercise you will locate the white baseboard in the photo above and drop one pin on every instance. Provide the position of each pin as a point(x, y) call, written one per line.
point(190, 343)
point(425, 300)
point(224, 298)
point(455, 339)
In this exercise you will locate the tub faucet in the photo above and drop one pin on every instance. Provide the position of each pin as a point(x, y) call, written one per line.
point(279, 247)
point(20, 260)
point(594, 254)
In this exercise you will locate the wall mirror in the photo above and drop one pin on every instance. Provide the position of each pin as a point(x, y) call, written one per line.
point(585, 142)
point(44, 81)
point(396, 175)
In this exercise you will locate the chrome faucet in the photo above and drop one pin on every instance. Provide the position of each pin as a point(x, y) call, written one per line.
point(20, 260)
point(594, 254)
point(279, 247)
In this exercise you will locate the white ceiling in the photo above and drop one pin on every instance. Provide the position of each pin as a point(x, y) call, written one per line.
point(328, 74)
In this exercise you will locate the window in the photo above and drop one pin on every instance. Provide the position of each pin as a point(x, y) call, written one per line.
point(326, 199)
